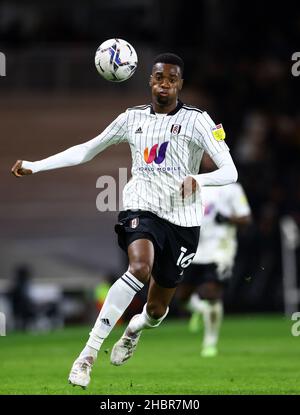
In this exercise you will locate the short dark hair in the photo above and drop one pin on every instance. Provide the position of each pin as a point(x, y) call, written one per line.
point(170, 58)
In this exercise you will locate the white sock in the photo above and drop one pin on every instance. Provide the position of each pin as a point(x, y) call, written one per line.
point(89, 351)
point(212, 317)
point(117, 300)
point(144, 321)
point(195, 304)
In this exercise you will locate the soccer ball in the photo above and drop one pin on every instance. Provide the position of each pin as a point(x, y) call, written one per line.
point(116, 60)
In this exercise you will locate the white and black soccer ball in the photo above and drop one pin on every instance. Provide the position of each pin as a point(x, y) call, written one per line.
point(116, 60)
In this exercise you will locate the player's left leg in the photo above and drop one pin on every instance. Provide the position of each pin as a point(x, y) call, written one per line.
point(154, 311)
point(211, 306)
point(119, 296)
point(186, 293)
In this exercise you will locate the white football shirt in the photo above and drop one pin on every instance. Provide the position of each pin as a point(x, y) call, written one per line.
point(165, 149)
point(218, 242)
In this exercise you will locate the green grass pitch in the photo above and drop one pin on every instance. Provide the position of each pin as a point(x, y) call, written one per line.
point(257, 355)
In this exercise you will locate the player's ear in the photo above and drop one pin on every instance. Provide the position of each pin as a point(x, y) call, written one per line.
point(180, 84)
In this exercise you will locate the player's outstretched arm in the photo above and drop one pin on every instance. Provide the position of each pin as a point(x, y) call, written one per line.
point(79, 154)
point(19, 171)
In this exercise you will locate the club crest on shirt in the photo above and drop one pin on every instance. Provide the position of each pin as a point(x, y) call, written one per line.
point(175, 129)
point(218, 132)
point(134, 223)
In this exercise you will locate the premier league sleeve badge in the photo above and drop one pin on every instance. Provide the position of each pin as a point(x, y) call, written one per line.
point(218, 132)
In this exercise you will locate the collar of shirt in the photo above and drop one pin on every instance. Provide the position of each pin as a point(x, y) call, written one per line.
point(174, 111)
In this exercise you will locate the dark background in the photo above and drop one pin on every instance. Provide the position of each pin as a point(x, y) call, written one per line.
point(238, 60)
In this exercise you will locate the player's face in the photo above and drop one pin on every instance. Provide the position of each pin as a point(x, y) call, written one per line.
point(165, 82)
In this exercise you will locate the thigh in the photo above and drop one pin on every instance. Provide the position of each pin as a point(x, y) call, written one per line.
point(141, 250)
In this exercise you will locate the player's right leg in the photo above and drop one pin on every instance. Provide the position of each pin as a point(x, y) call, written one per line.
point(154, 312)
point(119, 296)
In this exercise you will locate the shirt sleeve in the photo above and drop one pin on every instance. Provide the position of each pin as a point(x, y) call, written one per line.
point(115, 133)
point(226, 172)
point(205, 138)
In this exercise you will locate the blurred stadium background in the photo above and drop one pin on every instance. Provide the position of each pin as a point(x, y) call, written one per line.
point(238, 68)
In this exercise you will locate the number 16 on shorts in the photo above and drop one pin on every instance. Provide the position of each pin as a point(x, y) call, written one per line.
point(184, 261)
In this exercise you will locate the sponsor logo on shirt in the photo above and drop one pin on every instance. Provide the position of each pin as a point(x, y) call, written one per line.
point(153, 156)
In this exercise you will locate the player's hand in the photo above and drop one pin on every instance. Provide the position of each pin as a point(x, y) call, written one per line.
point(188, 187)
point(18, 171)
point(219, 218)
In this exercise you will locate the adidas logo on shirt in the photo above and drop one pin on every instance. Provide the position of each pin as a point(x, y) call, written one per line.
point(139, 131)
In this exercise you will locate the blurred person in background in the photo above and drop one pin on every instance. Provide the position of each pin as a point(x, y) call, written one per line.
point(159, 226)
point(226, 208)
point(22, 304)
